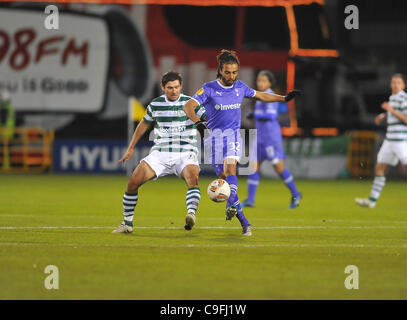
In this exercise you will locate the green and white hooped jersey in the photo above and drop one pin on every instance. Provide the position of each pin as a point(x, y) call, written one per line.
point(396, 129)
point(173, 130)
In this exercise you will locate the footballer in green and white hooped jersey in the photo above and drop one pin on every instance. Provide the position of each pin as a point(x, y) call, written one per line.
point(175, 150)
point(175, 133)
point(394, 147)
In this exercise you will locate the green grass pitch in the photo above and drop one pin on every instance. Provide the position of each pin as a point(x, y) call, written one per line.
point(67, 221)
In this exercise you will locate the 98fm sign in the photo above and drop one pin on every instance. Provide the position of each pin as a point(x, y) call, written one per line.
point(20, 57)
point(54, 70)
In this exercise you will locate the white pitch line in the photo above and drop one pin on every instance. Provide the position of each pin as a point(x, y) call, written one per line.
point(203, 227)
point(234, 245)
point(270, 220)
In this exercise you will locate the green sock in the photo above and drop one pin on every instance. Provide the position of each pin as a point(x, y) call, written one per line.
point(192, 199)
point(129, 203)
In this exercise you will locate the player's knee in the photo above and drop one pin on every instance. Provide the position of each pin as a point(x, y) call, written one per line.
point(132, 185)
point(380, 172)
point(252, 167)
point(279, 167)
point(193, 182)
point(380, 169)
point(230, 170)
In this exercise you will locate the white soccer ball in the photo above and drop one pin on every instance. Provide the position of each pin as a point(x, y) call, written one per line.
point(219, 190)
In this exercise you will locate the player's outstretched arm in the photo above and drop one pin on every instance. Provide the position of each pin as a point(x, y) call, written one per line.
point(138, 133)
point(268, 97)
point(271, 97)
point(401, 116)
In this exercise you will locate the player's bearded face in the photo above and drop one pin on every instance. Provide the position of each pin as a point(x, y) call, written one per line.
point(229, 74)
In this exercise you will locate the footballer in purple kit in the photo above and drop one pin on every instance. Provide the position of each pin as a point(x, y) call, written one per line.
point(269, 143)
point(222, 100)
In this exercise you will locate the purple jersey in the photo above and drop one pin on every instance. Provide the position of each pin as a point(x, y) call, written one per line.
point(223, 118)
point(269, 139)
point(267, 125)
point(222, 104)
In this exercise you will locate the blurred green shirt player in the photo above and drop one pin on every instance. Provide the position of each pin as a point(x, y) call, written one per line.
point(7, 116)
point(394, 147)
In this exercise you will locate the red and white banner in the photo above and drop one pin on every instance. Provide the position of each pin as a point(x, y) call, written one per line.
point(48, 70)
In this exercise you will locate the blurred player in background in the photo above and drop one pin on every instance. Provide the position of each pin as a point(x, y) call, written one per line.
point(175, 150)
point(7, 116)
point(222, 99)
point(394, 147)
point(269, 143)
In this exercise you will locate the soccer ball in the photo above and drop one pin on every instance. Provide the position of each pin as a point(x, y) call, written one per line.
point(219, 190)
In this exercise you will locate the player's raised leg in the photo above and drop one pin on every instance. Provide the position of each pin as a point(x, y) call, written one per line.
point(191, 175)
point(141, 174)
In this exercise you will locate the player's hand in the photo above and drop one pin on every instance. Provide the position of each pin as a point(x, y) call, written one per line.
point(386, 106)
point(379, 118)
point(250, 115)
point(291, 95)
point(201, 126)
point(127, 155)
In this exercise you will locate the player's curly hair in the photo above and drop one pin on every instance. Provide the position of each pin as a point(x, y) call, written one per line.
point(171, 76)
point(226, 57)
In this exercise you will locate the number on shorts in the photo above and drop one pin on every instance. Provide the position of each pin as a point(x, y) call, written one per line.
point(270, 151)
point(234, 146)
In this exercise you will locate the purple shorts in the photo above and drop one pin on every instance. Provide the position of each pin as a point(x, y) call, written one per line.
point(272, 151)
point(221, 145)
